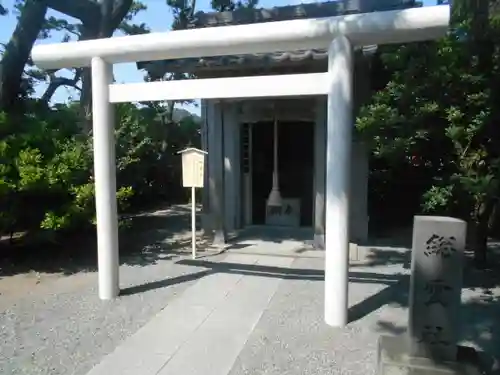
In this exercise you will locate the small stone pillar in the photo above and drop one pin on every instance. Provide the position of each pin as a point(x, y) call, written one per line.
point(430, 346)
point(436, 286)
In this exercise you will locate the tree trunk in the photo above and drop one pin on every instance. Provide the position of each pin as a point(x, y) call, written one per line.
point(170, 111)
point(84, 10)
point(88, 32)
point(112, 13)
point(18, 50)
point(56, 82)
point(482, 232)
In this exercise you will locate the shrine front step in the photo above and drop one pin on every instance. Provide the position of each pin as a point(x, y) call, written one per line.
point(393, 359)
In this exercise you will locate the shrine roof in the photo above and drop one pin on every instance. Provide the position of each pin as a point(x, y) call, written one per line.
point(246, 16)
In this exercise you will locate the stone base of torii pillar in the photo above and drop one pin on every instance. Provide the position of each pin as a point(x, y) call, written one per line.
point(430, 346)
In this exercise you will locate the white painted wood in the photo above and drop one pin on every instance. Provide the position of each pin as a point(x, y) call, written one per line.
point(193, 167)
point(193, 222)
point(105, 180)
point(338, 164)
point(221, 88)
point(396, 26)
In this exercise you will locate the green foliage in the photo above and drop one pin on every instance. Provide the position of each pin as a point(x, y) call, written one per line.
point(129, 28)
point(46, 170)
point(437, 199)
point(438, 113)
point(46, 180)
point(230, 5)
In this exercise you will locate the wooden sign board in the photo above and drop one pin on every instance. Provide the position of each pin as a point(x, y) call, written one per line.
point(193, 166)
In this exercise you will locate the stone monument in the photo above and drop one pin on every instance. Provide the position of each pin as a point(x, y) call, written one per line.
point(430, 346)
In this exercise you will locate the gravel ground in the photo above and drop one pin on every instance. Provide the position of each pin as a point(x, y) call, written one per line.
point(291, 337)
point(68, 333)
point(61, 327)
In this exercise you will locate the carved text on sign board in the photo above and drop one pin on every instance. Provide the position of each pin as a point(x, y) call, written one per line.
point(440, 246)
point(288, 214)
point(436, 290)
point(433, 335)
point(286, 209)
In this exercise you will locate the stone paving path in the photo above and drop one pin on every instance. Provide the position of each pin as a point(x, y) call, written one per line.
point(203, 331)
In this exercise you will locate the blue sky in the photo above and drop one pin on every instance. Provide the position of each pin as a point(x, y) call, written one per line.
point(158, 17)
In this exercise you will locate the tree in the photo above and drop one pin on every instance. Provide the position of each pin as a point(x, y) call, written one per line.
point(3, 10)
point(46, 182)
point(230, 5)
point(184, 14)
point(437, 113)
point(96, 20)
point(70, 31)
point(17, 52)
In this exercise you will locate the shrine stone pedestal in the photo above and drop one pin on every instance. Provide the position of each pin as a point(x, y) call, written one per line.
point(430, 346)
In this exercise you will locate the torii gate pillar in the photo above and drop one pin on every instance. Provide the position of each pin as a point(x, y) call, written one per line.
point(105, 179)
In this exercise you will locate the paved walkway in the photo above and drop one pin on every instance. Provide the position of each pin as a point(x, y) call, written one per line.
point(203, 331)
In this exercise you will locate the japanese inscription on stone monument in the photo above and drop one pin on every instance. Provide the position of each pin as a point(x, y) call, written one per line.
point(437, 292)
point(438, 244)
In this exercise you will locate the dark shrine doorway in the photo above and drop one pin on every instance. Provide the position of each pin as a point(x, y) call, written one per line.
point(295, 165)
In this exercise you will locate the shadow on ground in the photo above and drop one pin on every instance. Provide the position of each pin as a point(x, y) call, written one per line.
point(146, 239)
point(479, 313)
point(480, 310)
point(164, 235)
point(274, 234)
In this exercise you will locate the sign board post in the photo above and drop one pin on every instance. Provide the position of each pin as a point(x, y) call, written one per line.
point(193, 166)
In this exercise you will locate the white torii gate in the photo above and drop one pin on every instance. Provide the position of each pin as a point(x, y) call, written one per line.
point(339, 34)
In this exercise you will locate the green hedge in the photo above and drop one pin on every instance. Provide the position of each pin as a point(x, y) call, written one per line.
point(46, 179)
